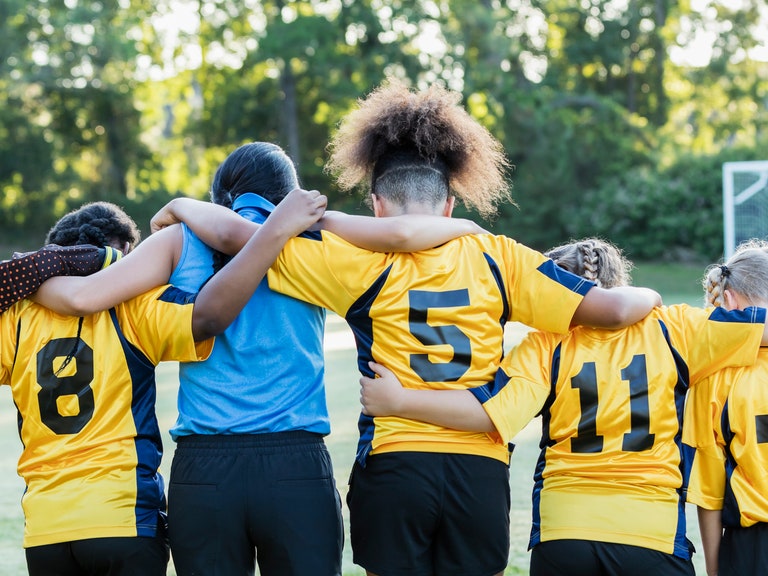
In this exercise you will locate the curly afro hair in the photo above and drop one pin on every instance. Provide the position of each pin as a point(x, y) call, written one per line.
point(430, 124)
point(96, 223)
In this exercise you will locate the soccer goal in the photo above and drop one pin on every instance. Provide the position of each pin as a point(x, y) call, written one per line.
point(745, 202)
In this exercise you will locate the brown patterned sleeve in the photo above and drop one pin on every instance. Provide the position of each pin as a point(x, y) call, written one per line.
point(22, 275)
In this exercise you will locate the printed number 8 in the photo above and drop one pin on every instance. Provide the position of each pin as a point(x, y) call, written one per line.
point(54, 387)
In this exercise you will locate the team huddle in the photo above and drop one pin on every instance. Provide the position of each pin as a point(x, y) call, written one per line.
point(644, 407)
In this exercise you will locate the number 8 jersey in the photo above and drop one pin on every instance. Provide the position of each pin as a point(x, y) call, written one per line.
point(435, 317)
point(612, 406)
point(85, 392)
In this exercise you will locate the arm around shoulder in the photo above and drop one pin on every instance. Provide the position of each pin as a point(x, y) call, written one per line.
point(219, 227)
point(404, 233)
point(148, 266)
point(615, 307)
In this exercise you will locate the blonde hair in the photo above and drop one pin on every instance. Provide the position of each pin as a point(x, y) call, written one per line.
point(419, 132)
point(746, 272)
point(594, 259)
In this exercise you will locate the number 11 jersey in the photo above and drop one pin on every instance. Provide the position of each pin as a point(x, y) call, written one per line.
point(611, 463)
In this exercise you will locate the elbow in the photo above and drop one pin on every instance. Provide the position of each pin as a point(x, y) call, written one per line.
point(617, 313)
point(617, 318)
point(400, 237)
point(205, 328)
point(80, 304)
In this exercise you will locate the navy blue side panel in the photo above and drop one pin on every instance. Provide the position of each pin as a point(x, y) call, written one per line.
point(365, 427)
point(571, 281)
point(689, 455)
point(150, 489)
point(546, 441)
point(538, 485)
point(751, 315)
point(502, 289)
point(731, 512)
point(761, 427)
point(177, 296)
point(359, 319)
point(681, 387)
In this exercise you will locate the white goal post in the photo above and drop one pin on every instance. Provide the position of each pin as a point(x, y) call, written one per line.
point(745, 202)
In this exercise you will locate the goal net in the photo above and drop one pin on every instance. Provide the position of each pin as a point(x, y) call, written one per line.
point(745, 202)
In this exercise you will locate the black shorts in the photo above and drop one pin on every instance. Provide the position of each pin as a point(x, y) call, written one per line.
point(588, 557)
point(129, 556)
point(417, 513)
point(744, 551)
point(231, 498)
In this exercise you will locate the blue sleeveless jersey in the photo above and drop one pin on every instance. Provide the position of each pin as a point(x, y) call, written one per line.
point(266, 370)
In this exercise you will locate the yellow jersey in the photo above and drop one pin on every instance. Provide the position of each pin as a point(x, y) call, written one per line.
point(726, 424)
point(85, 393)
point(435, 317)
point(612, 407)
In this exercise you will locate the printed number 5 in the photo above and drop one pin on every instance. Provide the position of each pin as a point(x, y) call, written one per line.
point(420, 302)
point(54, 387)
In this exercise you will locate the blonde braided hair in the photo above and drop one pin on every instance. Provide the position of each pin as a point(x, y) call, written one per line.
point(590, 261)
point(594, 259)
point(746, 273)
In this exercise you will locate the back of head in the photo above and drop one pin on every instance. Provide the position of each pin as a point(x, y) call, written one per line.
point(594, 259)
point(259, 167)
point(419, 147)
point(746, 273)
point(97, 223)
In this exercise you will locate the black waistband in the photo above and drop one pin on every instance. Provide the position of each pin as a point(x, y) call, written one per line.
point(269, 439)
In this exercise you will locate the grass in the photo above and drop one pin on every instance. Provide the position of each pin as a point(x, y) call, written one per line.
point(677, 283)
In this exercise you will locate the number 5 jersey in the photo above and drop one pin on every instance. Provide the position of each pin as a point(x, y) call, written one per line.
point(85, 393)
point(610, 467)
point(435, 317)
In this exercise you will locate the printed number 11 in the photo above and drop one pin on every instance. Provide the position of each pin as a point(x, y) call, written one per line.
point(639, 437)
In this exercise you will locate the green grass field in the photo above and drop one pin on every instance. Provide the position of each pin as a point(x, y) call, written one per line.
point(676, 283)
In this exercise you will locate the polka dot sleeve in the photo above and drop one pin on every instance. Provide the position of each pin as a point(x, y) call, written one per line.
point(24, 273)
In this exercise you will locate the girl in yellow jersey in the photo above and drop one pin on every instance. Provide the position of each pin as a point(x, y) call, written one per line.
point(726, 423)
point(84, 387)
point(608, 492)
point(427, 499)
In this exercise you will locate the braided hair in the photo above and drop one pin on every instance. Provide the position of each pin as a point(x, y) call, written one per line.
point(594, 259)
point(97, 223)
point(419, 147)
point(746, 272)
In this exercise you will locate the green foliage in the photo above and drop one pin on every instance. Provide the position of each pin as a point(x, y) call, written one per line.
point(562, 147)
point(106, 100)
point(673, 213)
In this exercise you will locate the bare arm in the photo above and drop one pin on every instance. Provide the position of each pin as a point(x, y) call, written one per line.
point(223, 230)
point(456, 409)
point(615, 308)
point(224, 295)
point(149, 265)
point(405, 233)
point(711, 528)
point(219, 227)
